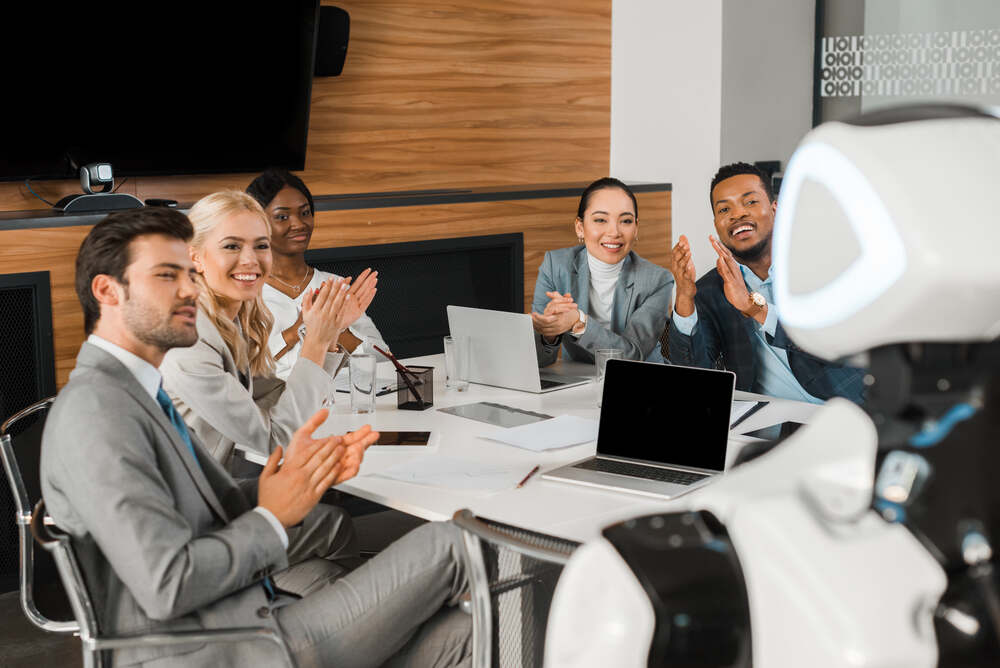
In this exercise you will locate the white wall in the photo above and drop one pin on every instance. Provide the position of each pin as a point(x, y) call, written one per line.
point(695, 85)
point(767, 78)
point(666, 96)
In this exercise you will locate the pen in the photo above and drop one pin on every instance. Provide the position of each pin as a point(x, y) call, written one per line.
point(753, 409)
point(404, 373)
point(527, 477)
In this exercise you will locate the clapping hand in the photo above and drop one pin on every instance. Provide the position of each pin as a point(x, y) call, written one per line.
point(682, 267)
point(290, 490)
point(359, 296)
point(321, 313)
point(733, 285)
point(559, 316)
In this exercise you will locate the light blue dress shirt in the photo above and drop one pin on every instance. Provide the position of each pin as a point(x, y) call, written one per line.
point(774, 375)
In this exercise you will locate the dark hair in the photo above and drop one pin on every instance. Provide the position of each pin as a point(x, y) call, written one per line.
point(107, 249)
point(601, 184)
point(265, 187)
point(735, 169)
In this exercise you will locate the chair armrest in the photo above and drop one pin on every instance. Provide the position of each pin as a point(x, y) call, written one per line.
point(468, 522)
point(237, 634)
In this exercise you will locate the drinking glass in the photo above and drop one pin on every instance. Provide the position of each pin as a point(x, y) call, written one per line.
point(456, 363)
point(362, 368)
point(601, 357)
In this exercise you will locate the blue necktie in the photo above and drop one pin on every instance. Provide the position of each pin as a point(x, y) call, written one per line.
point(167, 405)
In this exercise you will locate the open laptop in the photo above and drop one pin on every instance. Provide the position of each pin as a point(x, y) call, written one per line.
point(502, 350)
point(663, 430)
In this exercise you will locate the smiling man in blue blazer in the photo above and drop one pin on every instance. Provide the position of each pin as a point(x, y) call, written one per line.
point(727, 318)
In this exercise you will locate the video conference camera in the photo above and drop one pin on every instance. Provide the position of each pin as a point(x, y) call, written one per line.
point(92, 201)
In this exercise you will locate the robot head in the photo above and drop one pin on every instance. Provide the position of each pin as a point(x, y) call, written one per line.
point(885, 231)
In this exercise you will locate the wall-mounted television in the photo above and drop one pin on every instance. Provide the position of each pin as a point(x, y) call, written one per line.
point(156, 89)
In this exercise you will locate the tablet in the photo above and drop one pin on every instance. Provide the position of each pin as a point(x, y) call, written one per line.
point(401, 440)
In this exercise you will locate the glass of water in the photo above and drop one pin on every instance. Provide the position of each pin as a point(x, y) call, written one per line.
point(601, 357)
point(456, 363)
point(362, 370)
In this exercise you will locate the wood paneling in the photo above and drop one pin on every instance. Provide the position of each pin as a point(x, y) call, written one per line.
point(439, 94)
point(546, 224)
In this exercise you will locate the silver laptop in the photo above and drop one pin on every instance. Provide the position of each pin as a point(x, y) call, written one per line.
point(663, 430)
point(502, 350)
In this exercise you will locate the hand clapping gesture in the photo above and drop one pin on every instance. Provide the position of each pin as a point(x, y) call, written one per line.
point(360, 296)
point(290, 490)
point(733, 285)
point(682, 267)
point(559, 317)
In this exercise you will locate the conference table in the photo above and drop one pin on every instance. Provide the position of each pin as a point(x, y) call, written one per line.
point(563, 510)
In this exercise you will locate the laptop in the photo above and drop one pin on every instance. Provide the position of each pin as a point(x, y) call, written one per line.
point(502, 350)
point(663, 430)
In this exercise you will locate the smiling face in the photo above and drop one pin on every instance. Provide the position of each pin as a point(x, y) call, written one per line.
point(158, 296)
point(744, 216)
point(291, 222)
point(609, 225)
point(234, 258)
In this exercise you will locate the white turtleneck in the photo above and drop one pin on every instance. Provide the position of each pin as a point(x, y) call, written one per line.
point(603, 279)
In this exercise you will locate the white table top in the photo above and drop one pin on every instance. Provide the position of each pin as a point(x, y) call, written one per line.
point(559, 509)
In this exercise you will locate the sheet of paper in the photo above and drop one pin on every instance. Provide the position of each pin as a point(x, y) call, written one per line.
point(452, 473)
point(559, 432)
point(740, 409)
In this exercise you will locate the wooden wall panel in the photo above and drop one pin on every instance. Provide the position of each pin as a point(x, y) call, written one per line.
point(546, 224)
point(440, 94)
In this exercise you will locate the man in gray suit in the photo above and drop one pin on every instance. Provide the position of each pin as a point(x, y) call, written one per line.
point(167, 540)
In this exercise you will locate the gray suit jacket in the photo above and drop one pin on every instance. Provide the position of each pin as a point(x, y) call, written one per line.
point(225, 408)
point(638, 316)
point(164, 543)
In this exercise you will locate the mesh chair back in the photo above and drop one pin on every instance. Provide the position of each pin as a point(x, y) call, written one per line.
point(42, 597)
point(513, 574)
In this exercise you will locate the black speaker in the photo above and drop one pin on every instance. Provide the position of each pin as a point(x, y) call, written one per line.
point(331, 41)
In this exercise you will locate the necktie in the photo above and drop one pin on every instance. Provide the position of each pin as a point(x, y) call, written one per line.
point(167, 405)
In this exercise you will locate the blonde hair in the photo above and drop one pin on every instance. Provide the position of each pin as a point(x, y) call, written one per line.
point(250, 349)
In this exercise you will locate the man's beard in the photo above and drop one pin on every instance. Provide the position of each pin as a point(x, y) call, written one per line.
point(146, 325)
point(754, 253)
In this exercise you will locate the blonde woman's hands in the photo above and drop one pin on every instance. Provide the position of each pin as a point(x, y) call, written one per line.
point(359, 297)
point(323, 318)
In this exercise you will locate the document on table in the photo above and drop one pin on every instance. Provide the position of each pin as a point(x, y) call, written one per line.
point(741, 410)
point(559, 432)
point(452, 473)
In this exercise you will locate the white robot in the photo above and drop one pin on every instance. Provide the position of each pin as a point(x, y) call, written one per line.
point(867, 538)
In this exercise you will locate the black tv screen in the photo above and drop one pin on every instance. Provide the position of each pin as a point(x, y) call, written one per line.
point(174, 88)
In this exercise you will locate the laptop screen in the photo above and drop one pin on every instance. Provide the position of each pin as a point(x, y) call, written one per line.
point(666, 414)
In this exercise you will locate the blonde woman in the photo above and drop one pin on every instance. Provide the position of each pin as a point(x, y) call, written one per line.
point(224, 385)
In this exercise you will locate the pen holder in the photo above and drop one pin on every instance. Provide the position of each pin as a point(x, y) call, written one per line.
point(421, 395)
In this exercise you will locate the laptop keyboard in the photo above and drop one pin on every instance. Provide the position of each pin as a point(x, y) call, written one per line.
point(640, 471)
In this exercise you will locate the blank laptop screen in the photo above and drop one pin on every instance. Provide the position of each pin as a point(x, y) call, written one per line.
point(666, 414)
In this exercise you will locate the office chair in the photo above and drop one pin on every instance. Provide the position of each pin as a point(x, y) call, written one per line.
point(21, 462)
point(512, 575)
point(59, 545)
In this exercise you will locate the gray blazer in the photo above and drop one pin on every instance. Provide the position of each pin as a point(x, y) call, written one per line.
point(164, 544)
point(638, 316)
point(225, 407)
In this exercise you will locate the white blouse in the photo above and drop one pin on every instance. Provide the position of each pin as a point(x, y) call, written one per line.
point(603, 279)
point(286, 311)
